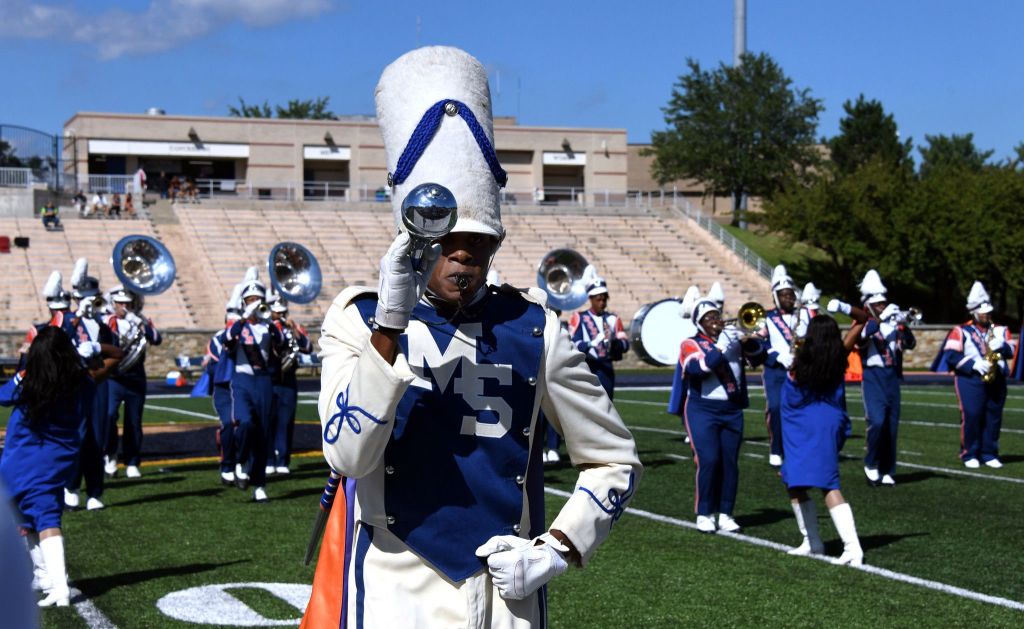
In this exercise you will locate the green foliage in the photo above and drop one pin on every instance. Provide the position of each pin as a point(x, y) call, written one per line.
point(7, 157)
point(739, 130)
point(866, 133)
point(296, 109)
point(951, 151)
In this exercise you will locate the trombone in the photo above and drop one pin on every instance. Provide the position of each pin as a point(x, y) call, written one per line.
point(752, 319)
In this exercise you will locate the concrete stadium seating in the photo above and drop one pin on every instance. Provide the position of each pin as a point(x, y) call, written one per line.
point(645, 255)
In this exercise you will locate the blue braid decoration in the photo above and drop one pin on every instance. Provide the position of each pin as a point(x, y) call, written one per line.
point(327, 499)
point(615, 499)
point(348, 413)
point(424, 133)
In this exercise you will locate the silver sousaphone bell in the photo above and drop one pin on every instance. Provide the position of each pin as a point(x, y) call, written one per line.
point(562, 273)
point(429, 212)
point(143, 265)
point(294, 272)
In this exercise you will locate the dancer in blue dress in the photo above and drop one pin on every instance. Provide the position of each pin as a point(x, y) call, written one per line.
point(814, 428)
point(52, 398)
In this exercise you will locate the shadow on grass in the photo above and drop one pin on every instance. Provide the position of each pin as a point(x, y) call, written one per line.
point(1011, 458)
point(870, 542)
point(145, 480)
point(213, 491)
point(96, 586)
point(764, 517)
point(298, 493)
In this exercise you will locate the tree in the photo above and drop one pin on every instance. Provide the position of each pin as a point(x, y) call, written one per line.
point(7, 156)
point(738, 130)
point(249, 111)
point(865, 133)
point(951, 151)
point(315, 109)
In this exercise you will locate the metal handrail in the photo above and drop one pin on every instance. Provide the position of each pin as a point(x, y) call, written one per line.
point(325, 190)
point(742, 251)
point(16, 177)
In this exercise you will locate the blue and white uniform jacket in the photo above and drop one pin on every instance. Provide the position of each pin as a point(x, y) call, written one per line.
point(121, 327)
point(966, 345)
point(253, 347)
point(600, 336)
point(780, 332)
point(881, 344)
point(714, 370)
point(445, 443)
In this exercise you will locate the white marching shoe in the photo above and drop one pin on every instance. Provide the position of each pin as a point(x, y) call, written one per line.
point(227, 478)
point(972, 464)
point(888, 480)
point(872, 475)
point(71, 500)
point(994, 463)
point(269, 470)
point(807, 521)
point(552, 456)
point(705, 524)
point(260, 495)
point(774, 460)
point(727, 524)
point(59, 594)
point(110, 466)
point(282, 469)
point(132, 471)
point(94, 504)
point(853, 554)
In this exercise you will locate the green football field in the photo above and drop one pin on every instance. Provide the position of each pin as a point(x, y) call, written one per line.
point(943, 547)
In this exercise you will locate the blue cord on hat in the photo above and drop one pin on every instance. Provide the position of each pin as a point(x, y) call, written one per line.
point(424, 133)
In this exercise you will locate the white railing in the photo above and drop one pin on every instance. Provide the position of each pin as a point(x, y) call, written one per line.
point(16, 177)
point(742, 251)
point(105, 183)
point(325, 190)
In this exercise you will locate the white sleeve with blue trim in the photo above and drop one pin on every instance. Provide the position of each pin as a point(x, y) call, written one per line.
point(359, 390)
point(599, 443)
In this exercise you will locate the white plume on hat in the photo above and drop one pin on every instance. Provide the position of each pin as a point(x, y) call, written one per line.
point(810, 294)
point(252, 274)
point(716, 294)
point(978, 300)
point(781, 279)
point(407, 89)
point(233, 308)
point(690, 298)
point(81, 270)
point(872, 290)
point(52, 288)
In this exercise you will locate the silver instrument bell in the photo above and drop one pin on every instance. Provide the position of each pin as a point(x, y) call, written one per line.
point(429, 212)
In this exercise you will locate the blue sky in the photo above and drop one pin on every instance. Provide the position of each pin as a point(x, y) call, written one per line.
point(940, 66)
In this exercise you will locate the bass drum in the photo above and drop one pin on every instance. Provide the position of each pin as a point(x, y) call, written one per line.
point(657, 331)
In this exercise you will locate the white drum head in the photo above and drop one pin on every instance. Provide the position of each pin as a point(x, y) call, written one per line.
point(663, 329)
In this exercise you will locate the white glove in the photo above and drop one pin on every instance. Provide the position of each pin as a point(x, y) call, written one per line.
point(996, 342)
point(892, 311)
point(785, 359)
point(519, 567)
point(84, 309)
point(834, 305)
point(88, 349)
point(981, 366)
point(133, 318)
point(251, 309)
point(400, 286)
point(726, 339)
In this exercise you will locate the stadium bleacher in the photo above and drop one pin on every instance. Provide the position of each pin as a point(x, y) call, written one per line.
point(645, 254)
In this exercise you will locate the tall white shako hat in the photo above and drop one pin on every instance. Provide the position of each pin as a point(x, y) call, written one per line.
point(978, 301)
point(434, 113)
point(872, 290)
point(690, 298)
point(252, 285)
point(717, 295)
point(701, 308)
point(780, 281)
point(233, 309)
point(82, 284)
point(277, 303)
point(56, 297)
point(810, 295)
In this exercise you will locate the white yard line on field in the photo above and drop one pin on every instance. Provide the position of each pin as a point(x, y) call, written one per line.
point(181, 411)
point(91, 615)
point(882, 572)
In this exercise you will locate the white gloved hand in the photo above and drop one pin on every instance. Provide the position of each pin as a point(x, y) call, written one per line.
point(133, 318)
point(84, 310)
point(996, 342)
point(785, 359)
point(88, 349)
point(727, 338)
point(400, 286)
point(981, 366)
point(892, 311)
point(520, 567)
point(834, 305)
point(251, 309)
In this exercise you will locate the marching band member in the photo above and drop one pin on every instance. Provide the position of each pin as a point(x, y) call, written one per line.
point(677, 398)
point(129, 386)
point(58, 302)
point(881, 345)
point(783, 328)
point(252, 342)
point(713, 412)
point(431, 388)
point(808, 299)
point(286, 387)
point(86, 291)
point(51, 397)
point(815, 427)
point(599, 335)
point(221, 364)
point(981, 403)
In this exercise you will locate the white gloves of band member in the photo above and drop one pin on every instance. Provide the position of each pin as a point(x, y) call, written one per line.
point(252, 309)
point(996, 342)
point(133, 318)
point(88, 349)
point(727, 338)
point(785, 359)
point(834, 305)
point(400, 285)
point(519, 567)
point(892, 311)
point(981, 366)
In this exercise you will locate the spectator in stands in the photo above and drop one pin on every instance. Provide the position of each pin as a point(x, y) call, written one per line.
point(50, 218)
point(115, 206)
point(174, 189)
point(81, 202)
point(99, 204)
point(129, 205)
point(191, 191)
point(161, 183)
